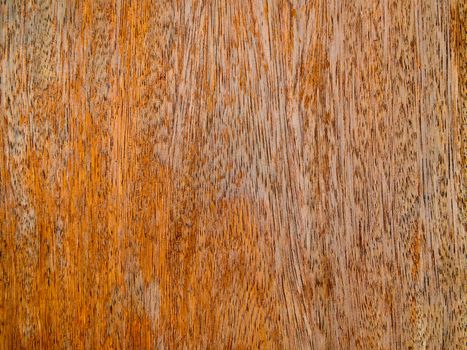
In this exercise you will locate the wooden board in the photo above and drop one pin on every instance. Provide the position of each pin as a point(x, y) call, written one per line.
point(236, 174)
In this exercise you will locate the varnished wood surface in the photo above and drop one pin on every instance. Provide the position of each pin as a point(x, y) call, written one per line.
point(236, 174)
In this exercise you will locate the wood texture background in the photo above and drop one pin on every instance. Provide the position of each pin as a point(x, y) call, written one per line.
point(233, 174)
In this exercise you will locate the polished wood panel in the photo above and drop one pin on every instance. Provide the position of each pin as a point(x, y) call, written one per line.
point(236, 174)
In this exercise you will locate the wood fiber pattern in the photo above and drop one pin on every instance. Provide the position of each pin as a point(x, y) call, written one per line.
point(236, 174)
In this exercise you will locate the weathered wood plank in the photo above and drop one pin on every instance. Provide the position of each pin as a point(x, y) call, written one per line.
point(233, 174)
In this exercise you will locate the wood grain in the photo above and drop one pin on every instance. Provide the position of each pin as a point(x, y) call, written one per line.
point(236, 174)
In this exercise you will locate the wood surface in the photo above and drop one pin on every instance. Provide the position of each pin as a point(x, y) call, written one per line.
point(233, 174)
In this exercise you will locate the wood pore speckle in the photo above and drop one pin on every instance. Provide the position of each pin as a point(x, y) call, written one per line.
point(233, 174)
